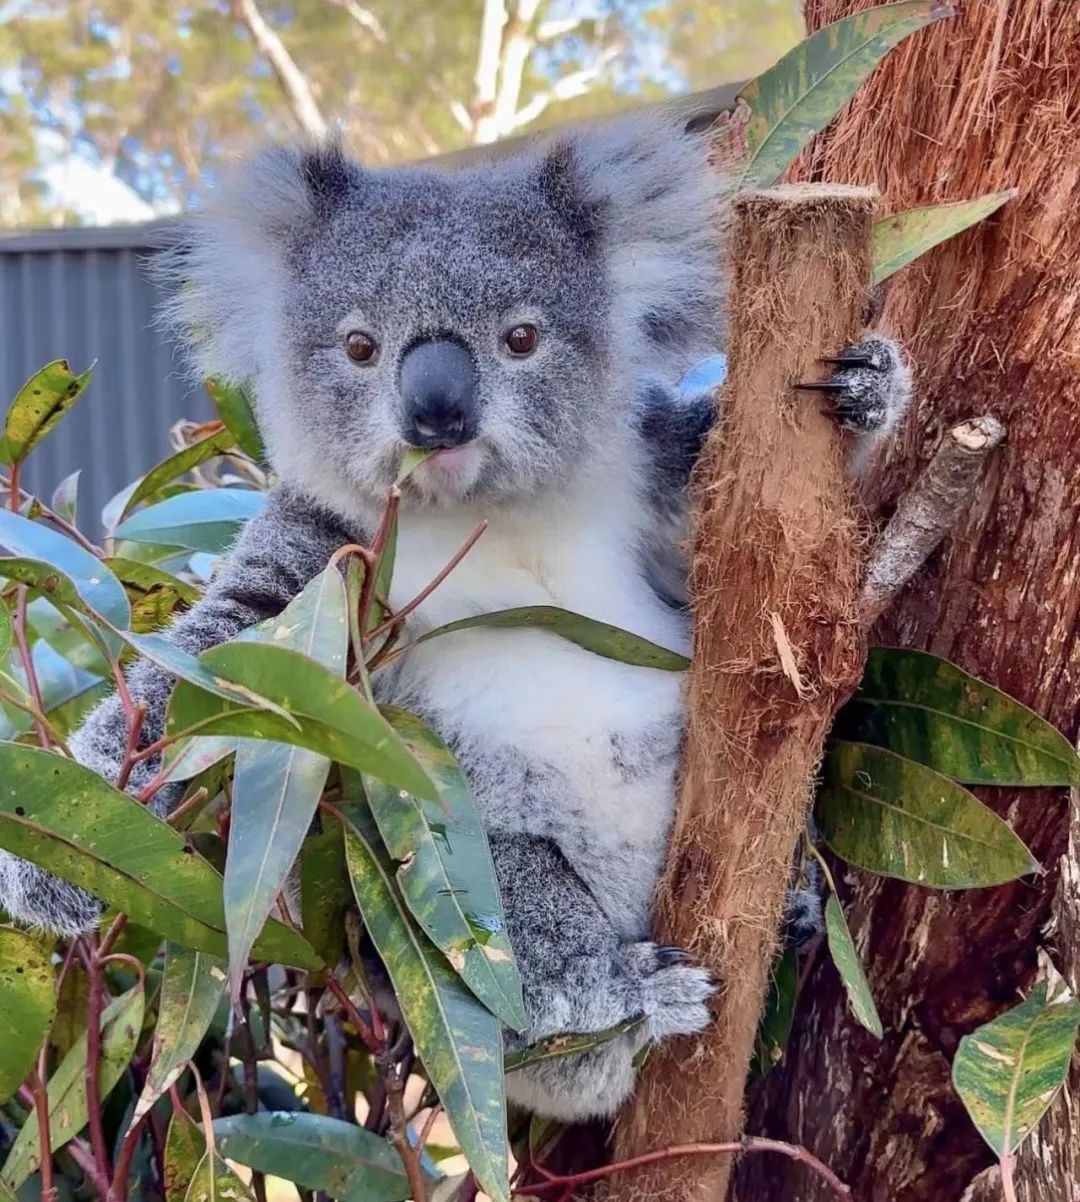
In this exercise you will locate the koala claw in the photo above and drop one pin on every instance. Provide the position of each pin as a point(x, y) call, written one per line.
point(673, 993)
point(871, 386)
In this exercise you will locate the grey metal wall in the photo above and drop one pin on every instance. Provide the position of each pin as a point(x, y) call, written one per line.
point(83, 294)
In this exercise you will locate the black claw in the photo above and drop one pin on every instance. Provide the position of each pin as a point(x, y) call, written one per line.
point(822, 386)
point(849, 360)
point(667, 956)
point(714, 982)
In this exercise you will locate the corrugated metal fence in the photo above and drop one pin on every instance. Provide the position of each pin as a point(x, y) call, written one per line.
point(83, 294)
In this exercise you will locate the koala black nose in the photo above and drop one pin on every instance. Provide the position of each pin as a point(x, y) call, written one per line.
point(438, 385)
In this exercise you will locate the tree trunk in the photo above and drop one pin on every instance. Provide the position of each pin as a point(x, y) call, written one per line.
point(987, 100)
point(777, 647)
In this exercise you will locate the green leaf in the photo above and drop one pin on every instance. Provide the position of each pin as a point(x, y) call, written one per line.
point(143, 578)
point(317, 1153)
point(7, 633)
point(555, 1047)
point(63, 593)
point(214, 1181)
point(95, 585)
point(846, 959)
point(801, 94)
point(27, 1005)
point(178, 465)
point(892, 816)
point(459, 1041)
point(899, 239)
point(276, 787)
point(235, 409)
point(446, 873)
point(66, 634)
point(66, 818)
point(931, 711)
point(184, 1150)
point(191, 987)
point(64, 690)
point(65, 498)
point(206, 520)
point(1009, 1071)
point(778, 1014)
point(325, 895)
point(39, 405)
point(330, 717)
point(197, 755)
point(598, 637)
point(410, 461)
point(121, 1022)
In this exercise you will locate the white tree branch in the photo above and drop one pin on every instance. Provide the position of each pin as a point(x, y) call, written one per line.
point(486, 77)
point(577, 83)
point(548, 31)
point(293, 81)
point(517, 45)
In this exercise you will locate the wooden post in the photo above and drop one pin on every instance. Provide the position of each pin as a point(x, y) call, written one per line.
point(777, 646)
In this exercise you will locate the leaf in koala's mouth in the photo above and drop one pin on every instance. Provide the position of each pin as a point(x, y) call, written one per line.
point(412, 459)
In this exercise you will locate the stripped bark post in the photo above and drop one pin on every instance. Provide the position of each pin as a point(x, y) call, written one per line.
point(777, 646)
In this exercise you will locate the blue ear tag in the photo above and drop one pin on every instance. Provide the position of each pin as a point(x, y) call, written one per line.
point(704, 376)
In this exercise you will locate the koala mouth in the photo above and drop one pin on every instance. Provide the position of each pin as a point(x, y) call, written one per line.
point(450, 472)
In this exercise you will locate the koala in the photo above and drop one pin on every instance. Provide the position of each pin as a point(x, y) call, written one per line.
point(528, 320)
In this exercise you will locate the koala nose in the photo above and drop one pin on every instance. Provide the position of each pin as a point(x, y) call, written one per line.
point(438, 386)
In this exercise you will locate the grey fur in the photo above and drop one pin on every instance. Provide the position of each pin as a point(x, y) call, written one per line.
point(606, 241)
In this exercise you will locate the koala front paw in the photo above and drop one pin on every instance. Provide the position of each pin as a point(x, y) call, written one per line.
point(32, 896)
point(870, 387)
point(673, 990)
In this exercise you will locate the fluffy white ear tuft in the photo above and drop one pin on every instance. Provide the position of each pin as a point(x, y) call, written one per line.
point(657, 201)
point(223, 268)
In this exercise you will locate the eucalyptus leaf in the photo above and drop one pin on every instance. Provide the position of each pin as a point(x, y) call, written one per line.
point(903, 237)
point(846, 959)
point(1009, 1071)
point(97, 587)
point(236, 410)
point(142, 578)
point(318, 1153)
point(557, 1046)
point(39, 405)
point(66, 634)
point(178, 465)
point(214, 1181)
point(27, 1005)
point(929, 710)
point(898, 818)
point(458, 1040)
point(446, 873)
point(121, 1022)
point(184, 1150)
point(7, 634)
point(66, 597)
point(800, 95)
point(192, 985)
point(65, 498)
point(208, 519)
point(326, 714)
point(601, 638)
point(65, 817)
point(325, 895)
point(778, 1014)
point(277, 786)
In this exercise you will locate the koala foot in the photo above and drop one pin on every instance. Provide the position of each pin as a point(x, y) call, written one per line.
point(672, 990)
point(870, 388)
point(34, 897)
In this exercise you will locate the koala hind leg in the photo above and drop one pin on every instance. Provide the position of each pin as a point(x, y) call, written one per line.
point(580, 975)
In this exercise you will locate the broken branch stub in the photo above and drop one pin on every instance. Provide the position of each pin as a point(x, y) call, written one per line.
point(775, 580)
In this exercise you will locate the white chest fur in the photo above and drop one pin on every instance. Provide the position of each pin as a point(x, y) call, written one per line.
point(558, 742)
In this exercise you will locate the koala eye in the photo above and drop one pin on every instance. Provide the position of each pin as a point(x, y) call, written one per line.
point(360, 347)
point(521, 340)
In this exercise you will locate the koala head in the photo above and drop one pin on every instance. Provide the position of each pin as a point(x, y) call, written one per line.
point(499, 314)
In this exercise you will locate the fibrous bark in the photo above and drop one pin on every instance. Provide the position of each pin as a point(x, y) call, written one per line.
point(777, 644)
point(985, 101)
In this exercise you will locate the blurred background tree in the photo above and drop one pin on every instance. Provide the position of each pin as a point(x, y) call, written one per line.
point(112, 109)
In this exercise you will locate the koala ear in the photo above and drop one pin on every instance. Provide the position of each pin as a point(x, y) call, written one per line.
point(657, 205)
point(564, 187)
point(224, 270)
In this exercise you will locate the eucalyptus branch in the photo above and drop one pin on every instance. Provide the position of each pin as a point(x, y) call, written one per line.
point(927, 511)
point(41, 1108)
point(394, 1072)
point(95, 989)
point(19, 495)
point(32, 683)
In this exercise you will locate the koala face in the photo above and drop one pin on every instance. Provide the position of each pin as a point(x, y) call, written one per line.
point(435, 310)
point(500, 315)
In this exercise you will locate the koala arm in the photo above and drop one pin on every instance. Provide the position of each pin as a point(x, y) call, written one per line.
point(279, 551)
